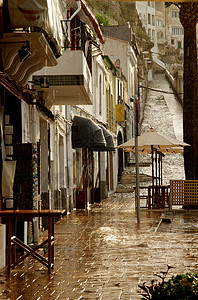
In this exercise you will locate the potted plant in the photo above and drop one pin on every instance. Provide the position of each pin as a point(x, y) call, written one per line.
point(178, 287)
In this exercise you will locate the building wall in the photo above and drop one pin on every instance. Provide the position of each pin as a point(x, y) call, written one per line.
point(160, 27)
point(174, 29)
point(122, 51)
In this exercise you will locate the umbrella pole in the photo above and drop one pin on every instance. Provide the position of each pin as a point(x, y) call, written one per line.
point(156, 166)
point(152, 166)
point(161, 170)
point(137, 163)
point(137, 178)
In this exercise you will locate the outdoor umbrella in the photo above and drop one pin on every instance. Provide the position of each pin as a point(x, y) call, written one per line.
point(161, 154)
point(151, 141)
point(148, 150)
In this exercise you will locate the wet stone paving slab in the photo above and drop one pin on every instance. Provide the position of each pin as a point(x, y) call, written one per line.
point(103, 253)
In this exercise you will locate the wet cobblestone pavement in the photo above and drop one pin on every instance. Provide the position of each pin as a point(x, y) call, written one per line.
point(103, 253)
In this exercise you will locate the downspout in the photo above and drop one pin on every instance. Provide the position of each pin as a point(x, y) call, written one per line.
point(73, 15)
point(77, 11)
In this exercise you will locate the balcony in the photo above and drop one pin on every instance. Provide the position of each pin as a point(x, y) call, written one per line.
point(69, 83)
point(33, 59)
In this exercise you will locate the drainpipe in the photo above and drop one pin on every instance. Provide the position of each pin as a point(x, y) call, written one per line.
point(77, 11)
point(73, 15)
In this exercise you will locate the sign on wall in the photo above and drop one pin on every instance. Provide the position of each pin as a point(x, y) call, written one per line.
point(119, 112)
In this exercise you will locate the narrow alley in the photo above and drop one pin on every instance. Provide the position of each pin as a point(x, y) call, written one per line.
point(103, 253)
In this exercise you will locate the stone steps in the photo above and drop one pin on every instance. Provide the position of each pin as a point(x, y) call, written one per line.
point(141, 164)
point(124, 190)
point(131, 178)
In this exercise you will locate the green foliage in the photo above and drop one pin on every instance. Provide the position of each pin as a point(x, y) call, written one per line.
point(142, 34)
point(102, 20)
point(179, 287)
point(100, 5)
point(128, 12)
point(120, 13)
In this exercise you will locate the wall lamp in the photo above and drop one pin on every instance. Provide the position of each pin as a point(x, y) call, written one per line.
point(42, 81)
point(24, 52)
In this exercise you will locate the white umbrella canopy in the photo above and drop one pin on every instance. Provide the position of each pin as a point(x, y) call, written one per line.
point(152, 142)
point(154, 139)
point(148, 150)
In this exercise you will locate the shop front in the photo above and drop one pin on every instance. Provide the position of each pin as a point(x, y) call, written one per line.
point(91, 141)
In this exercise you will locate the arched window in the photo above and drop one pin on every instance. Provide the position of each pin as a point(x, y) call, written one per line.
point(100, 95)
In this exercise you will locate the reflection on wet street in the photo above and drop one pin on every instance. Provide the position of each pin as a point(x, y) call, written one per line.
point(180, 221)
point(103, 253)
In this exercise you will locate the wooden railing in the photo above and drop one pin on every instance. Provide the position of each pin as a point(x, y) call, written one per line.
point(184, 192)
point(180, 192)
point(156, 196)
point(143, 191)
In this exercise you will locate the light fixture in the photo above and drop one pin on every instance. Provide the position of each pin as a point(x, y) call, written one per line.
point(24, 52)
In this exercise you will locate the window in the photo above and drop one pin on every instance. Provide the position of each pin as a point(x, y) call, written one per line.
point(175, 14)
point(110, 109)
point(160, 35)
point(172, 42)
point(100, 95)
point(149, 18)
point(179, 45)
point(149, 32)
point(177, 31)
point(121, 90)
point(118, 86)
point(153, 34)
point(151, 3)
point(153, 20)
point(159, 23)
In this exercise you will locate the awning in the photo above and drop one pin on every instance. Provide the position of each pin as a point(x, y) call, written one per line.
point(86, 133)
point(109, 140)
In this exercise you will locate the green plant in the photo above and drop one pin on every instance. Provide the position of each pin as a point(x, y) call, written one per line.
point(179, 287)
point(102, 20)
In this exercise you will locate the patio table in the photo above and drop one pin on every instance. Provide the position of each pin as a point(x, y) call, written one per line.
point(13, 241)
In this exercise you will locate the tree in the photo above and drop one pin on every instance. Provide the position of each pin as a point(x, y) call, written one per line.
point(102, 20)
point(189, 19)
